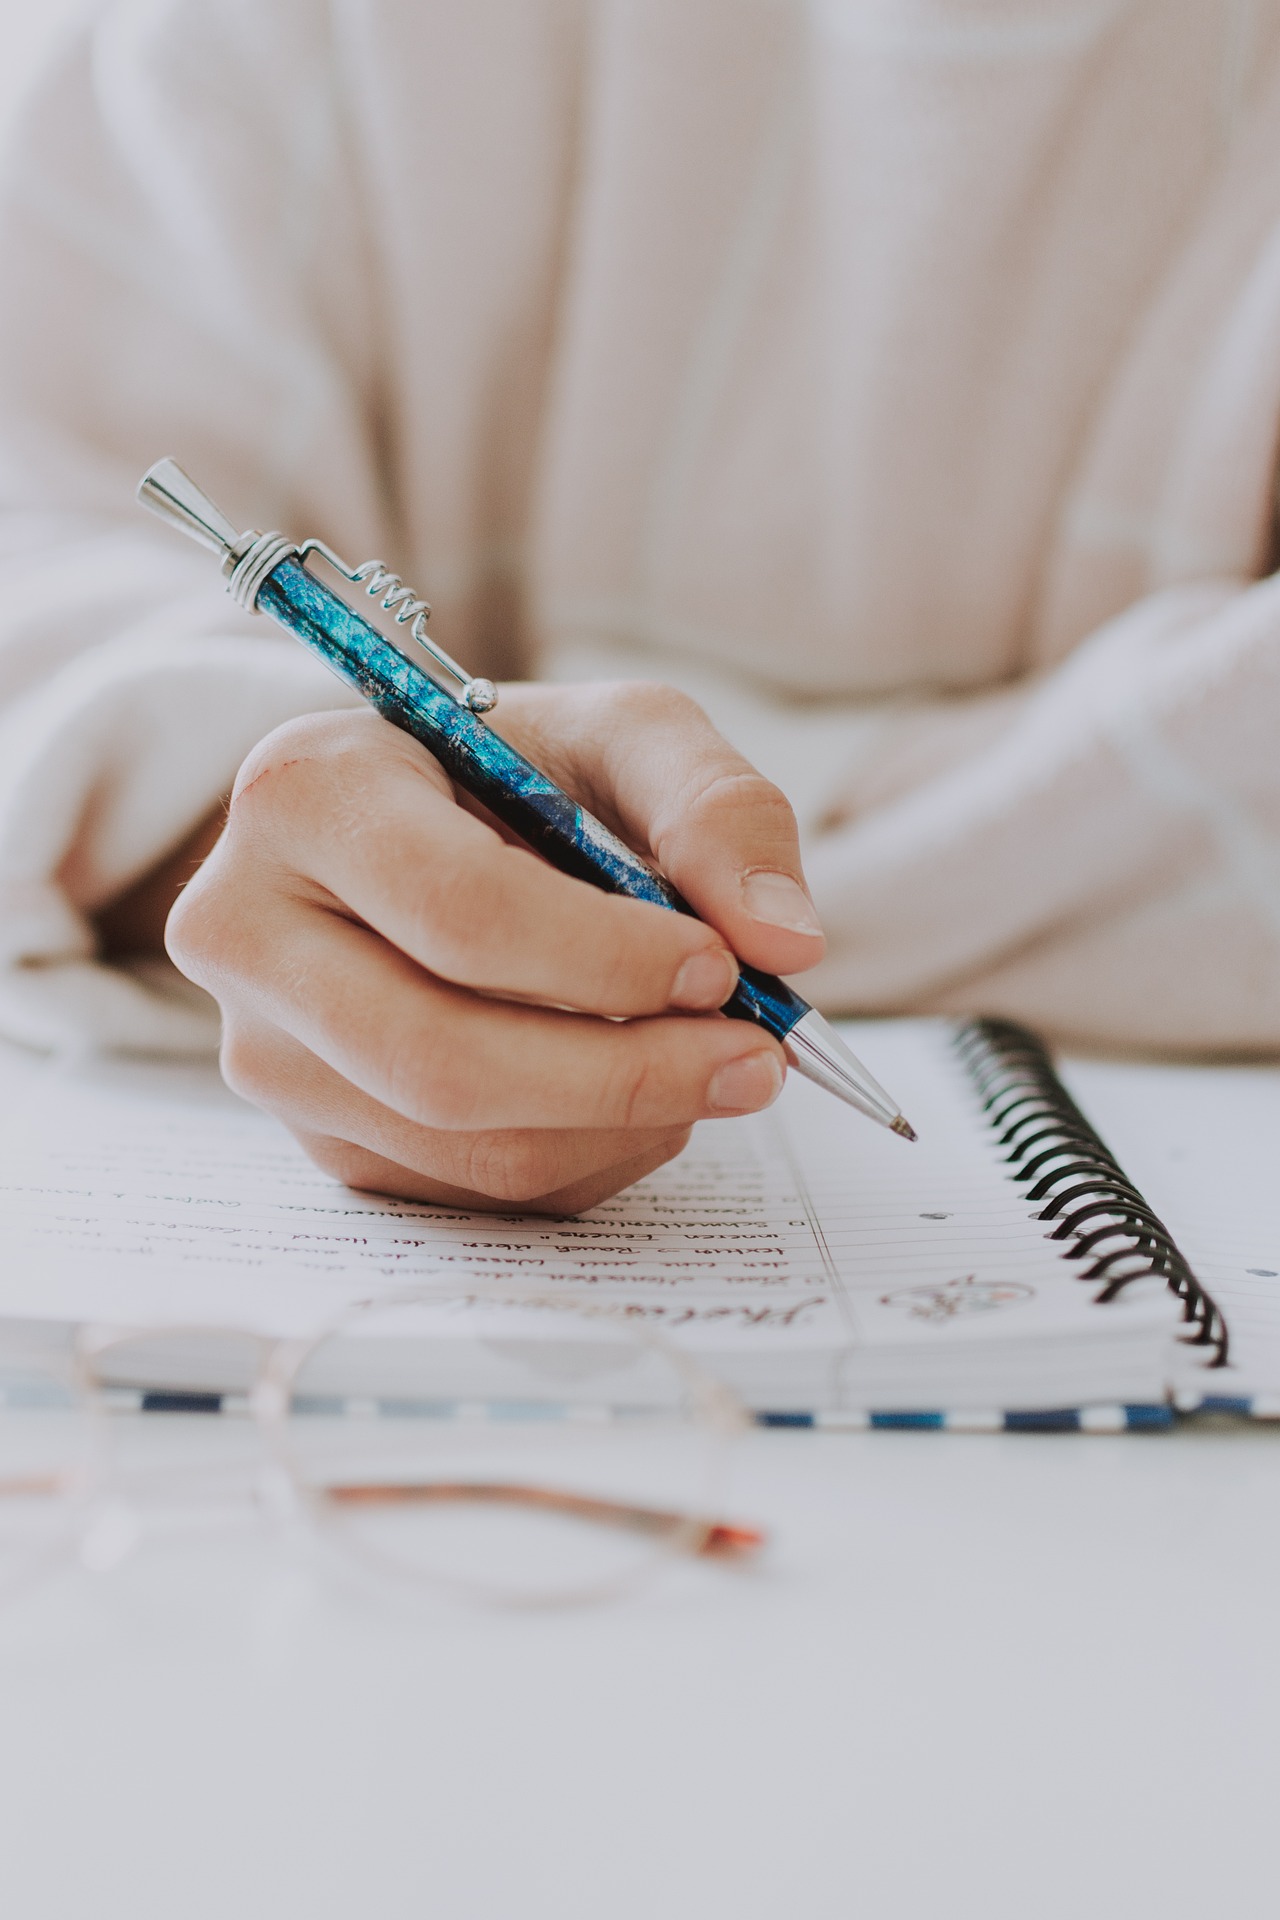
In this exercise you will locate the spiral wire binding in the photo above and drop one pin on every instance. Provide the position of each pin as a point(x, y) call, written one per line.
point(1052, 1150)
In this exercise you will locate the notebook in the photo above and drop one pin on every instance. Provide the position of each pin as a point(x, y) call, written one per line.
point(1007, 1270)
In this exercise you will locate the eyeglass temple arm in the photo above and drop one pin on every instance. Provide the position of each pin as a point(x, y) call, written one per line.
point(23, 1486)
point(710, 1536)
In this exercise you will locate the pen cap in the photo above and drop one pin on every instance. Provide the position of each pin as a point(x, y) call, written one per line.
point(175, 497)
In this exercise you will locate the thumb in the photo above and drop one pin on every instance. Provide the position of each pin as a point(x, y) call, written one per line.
point(649, 762)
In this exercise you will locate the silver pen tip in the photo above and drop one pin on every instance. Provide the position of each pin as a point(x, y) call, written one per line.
point(816, 1050)
point(904, 1127)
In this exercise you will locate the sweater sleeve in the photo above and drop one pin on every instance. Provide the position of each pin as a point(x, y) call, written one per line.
point(1102, 861)
point(181, 275)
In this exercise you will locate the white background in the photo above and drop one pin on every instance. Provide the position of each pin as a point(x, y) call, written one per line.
point(27, 27)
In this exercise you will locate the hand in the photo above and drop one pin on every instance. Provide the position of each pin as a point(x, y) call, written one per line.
point(434, 1011)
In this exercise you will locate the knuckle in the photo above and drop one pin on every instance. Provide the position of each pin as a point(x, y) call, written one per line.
point(584, 1194)
point(427, 1086)
point(200, 925)
point(657, 699)
point(278, 753)
point(241, 1058)
point(591, 1189)
point(516, 1168)
point(626, 985)
point(459, 912)
point(340, 748)
point(637, 1091)
point(627, 960)
point(713, 805)
point(652, 701)
point(732, 792)
point(221, 931)
point(340, 1159)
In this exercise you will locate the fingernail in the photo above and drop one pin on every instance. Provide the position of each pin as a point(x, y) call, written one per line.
point(706, 979)
point(779, 900)
point(745, 1085)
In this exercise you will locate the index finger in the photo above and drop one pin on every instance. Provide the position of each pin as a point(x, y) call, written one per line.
point(647, 760)
point(355, 810)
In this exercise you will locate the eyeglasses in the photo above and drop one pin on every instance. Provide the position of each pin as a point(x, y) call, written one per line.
point(502, 1444)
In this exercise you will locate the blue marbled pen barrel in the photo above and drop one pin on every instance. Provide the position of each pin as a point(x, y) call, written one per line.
point(482, 762)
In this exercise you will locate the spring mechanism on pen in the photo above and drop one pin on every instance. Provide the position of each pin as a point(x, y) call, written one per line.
point(407, 610)
point(394, 597)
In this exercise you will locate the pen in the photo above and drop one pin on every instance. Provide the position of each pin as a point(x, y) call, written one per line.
point(267, 573)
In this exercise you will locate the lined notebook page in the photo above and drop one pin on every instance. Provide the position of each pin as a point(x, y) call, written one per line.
point(1203, 1144)
point(148, 1193)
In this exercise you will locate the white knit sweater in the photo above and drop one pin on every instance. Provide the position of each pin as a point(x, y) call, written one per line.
point(901, 375)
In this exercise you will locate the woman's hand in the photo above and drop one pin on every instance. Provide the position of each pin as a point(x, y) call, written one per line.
point(437, 1013)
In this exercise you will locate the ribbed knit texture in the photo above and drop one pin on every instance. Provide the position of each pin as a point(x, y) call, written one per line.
point(902, 375)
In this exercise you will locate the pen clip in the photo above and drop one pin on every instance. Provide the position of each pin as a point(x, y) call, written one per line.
point(406, 609)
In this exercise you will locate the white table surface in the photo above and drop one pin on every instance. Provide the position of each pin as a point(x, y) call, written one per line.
point(987, 1675)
